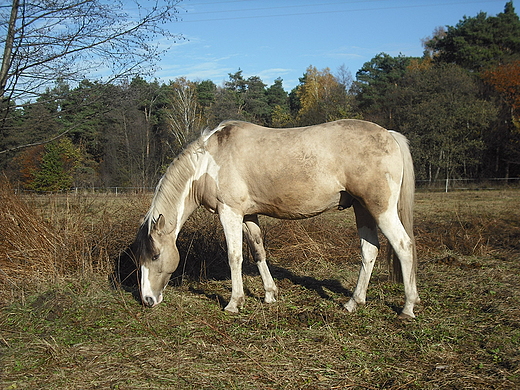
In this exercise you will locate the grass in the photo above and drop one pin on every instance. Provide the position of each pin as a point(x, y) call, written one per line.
point(72, 330)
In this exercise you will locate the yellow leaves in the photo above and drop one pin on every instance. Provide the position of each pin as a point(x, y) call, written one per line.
point(281, 117)
point(322, 97)
point(420, 64)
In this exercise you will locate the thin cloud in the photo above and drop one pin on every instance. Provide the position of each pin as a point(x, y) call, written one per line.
point(196, 70)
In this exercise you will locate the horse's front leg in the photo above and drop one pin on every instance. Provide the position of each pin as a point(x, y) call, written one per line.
point(232, 225)
point(253, 236)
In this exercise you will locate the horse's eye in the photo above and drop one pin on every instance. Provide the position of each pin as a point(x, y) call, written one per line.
point(155, 257)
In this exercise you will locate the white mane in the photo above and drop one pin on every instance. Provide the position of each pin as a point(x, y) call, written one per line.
point(171, 186)
point(206, 133)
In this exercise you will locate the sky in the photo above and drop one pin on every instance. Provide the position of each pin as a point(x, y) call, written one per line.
point(282, 38)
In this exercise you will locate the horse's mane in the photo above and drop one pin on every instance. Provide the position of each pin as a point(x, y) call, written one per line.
point(173, 183)
point(170, 188)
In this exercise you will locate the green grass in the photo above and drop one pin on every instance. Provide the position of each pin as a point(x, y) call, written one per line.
point(77, 332)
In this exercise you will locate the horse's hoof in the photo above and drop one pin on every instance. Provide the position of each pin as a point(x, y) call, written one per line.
point(350, 306)
point(270, 297)
point(233, 310)
point(406, 317)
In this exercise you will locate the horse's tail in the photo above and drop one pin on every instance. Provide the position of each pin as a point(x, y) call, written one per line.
point(404, 208)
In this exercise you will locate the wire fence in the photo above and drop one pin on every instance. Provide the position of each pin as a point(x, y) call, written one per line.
point(448, 185)
point(91, 190)
point(445, 185)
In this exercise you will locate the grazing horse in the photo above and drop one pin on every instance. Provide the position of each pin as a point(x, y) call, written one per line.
point(240, 170)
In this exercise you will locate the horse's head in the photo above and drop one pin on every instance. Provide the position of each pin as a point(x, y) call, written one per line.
point(158, 259)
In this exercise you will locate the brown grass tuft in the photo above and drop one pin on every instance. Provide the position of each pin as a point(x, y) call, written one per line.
point(48, 237)
point(326, 239)
point(29, 247)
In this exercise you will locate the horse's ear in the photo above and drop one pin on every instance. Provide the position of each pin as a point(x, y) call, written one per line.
point(158, 226)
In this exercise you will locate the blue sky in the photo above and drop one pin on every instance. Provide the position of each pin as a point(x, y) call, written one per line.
point(281, 38)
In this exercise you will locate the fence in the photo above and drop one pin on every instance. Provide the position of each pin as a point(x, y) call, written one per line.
point(447, 185)
point(423, 185)
point(90, 190)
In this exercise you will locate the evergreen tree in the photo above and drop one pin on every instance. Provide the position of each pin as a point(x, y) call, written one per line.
point(276, 94)
point(477, 43)
point(442, 113)
point(375, 82)
point(57, 167)
point(206, 96)
point(278, 101)
point(256, 106)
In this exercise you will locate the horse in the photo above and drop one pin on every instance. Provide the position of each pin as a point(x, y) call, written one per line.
point(240, 170)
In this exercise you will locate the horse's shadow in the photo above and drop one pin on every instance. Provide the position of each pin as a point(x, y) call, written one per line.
point(125, 274)
point(197, 266)
point(311, 283)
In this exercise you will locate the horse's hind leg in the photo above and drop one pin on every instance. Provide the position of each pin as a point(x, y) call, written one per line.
point(254, 239)
point(367, 230)
point(393, 229)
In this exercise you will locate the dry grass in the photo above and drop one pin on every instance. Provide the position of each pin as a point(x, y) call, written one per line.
point(29, 247)
point(48, 237)
point(71, 330)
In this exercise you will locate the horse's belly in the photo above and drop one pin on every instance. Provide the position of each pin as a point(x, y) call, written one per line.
point(295, 205)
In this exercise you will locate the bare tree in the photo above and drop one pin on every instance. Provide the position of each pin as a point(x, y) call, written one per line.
point(49, 40)
point(67, 39)
point(183, 111)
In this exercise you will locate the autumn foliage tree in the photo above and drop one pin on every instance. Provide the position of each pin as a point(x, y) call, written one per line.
point(51, 167)
point(505, 79)
point(505, 138)
point(322, 98)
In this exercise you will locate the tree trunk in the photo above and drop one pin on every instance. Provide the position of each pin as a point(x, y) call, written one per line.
point(8, 49)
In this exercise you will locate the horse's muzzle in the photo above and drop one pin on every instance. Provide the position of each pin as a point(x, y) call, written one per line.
point(151, 301)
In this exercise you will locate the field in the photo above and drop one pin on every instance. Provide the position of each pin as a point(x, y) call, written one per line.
point(66, 321)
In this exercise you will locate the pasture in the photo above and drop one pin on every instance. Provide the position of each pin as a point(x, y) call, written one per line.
point(63, 324)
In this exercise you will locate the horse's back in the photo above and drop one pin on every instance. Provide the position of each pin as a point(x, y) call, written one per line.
point(302, 169)
point(321, 148)
point(347, 137)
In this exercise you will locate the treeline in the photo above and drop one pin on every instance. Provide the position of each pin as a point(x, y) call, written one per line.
point(127, 134)
point(459, 104)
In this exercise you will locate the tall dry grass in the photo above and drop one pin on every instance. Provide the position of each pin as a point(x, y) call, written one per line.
point(45, 238)
point(29, 247)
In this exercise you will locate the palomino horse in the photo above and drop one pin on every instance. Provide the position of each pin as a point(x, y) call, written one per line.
point(240, 170)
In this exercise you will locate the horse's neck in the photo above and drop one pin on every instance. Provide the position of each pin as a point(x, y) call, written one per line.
point(174, 197)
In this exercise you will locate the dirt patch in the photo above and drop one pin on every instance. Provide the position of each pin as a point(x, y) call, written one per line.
point(51, 304)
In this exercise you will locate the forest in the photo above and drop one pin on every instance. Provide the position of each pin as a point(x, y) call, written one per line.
point(459, 105)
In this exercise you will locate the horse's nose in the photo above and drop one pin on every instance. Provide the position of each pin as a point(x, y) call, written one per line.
point(149, 301)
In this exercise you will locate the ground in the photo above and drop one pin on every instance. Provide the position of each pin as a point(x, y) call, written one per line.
point(76, 331)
